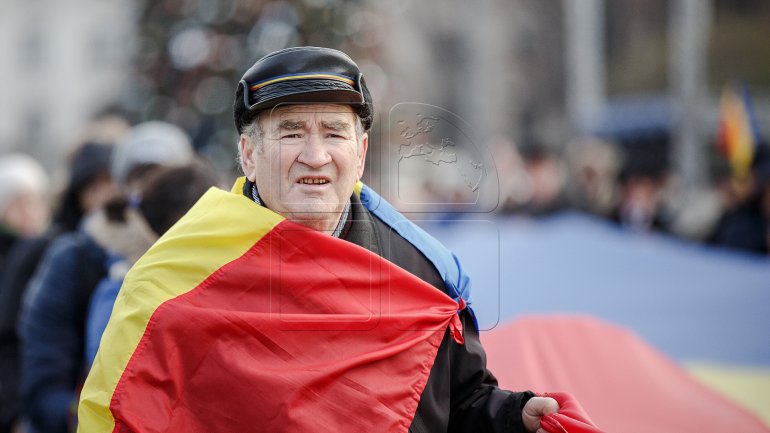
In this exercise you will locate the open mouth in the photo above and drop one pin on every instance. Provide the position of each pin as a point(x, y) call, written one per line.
point(313, 181)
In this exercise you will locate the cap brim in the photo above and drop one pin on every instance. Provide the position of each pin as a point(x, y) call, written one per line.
point(310, 91)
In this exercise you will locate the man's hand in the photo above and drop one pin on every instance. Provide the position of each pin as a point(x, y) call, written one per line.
point(534, 409)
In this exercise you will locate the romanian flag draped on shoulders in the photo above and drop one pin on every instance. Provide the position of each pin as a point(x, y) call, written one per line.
point(239, 320)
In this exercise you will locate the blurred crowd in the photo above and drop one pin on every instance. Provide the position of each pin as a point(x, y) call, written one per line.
point(639, 192)
point(61, 266)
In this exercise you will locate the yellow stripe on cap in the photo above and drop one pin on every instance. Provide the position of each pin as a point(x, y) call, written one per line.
point(302, 77)
point(220, 228)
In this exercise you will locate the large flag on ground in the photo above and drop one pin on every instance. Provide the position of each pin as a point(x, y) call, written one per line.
point(704, 308)
point(238, 320)
point(625, 384)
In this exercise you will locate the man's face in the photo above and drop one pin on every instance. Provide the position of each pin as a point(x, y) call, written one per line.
point(308, 162)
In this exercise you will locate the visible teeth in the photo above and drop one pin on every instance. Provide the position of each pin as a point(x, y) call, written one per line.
point(312, 181)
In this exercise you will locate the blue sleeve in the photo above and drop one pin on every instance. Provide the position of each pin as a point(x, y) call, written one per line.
point(99, 312)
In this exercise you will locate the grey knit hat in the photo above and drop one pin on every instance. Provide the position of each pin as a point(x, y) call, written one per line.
point(153, 142)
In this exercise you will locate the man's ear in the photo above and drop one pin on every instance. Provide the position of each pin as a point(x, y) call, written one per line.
point(362, 157)
point(247, 149)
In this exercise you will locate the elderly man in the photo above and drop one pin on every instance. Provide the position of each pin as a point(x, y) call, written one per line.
point(301, 300)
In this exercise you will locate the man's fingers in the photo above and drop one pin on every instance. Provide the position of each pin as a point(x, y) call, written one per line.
point(549, 406)
point(534, 409)
point(539, 406)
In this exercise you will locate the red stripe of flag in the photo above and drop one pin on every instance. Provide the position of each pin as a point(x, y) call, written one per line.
point(302, 333)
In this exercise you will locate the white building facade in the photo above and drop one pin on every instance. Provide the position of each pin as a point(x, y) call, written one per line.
point(61, 62)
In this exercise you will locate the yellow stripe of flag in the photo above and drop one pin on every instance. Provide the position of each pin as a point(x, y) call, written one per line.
point(220, 228)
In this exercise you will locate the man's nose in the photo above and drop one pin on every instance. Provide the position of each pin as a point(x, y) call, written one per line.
point(314, 153)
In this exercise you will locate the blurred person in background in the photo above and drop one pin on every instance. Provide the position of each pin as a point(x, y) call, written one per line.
point(23, 206)
point(731, 192)
point(515, 188)
point(52, 321)
point(640, 204)
point(23, 213)
point(593, 167)
point(148, 146)
point(546, 175)
point(693, 214)
point(24, 210)
point(128, 229)
point(89, 186)
point(746, 225)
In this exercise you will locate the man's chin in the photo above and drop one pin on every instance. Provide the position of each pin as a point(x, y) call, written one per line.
point(314, 216)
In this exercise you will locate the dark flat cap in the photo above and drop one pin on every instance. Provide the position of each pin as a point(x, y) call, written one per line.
point(302, 75)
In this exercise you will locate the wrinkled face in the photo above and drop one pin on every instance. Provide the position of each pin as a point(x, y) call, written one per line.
point(307, 163)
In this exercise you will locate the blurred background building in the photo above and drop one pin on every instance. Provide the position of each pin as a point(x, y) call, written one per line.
point(644, 76)
point(62, 63)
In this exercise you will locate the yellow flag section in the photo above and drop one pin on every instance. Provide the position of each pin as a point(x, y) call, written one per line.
point(748, 386)
point(176, 266)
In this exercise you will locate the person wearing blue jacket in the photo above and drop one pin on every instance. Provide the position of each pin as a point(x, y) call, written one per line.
point(51, 325)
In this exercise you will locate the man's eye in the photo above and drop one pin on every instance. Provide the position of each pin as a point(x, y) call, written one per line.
point(290, 136)
point(336, 136)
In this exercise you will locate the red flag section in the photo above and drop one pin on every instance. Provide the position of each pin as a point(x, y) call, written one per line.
point(290, 337)
point(626, 385)
point(302, 333)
